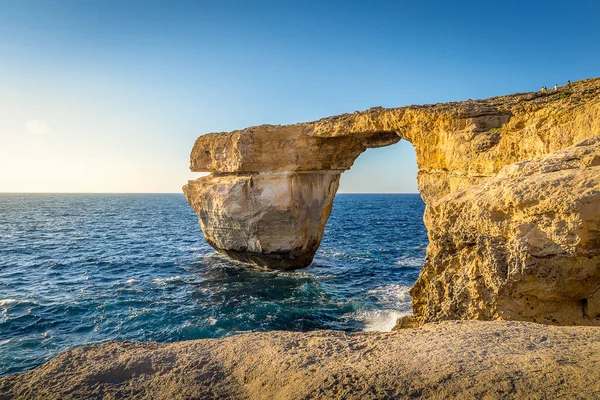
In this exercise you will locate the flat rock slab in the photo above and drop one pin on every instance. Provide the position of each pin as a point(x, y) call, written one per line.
point(459, 359)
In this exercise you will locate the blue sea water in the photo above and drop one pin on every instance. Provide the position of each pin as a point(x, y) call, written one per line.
point(77, 269)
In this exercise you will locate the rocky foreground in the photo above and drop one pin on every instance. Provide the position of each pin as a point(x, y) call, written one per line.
point(460, 359)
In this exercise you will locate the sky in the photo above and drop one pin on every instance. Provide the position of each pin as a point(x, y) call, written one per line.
point(109, 95)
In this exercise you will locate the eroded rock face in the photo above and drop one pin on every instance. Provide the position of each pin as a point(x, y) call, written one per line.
point(272, 189)
point(522, 246)
point(272, 219)
point(505, 241)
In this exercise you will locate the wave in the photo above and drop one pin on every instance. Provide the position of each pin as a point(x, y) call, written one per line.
point(164, 281)
point(393, 296)
point(410, 261)
point(8, 303)
point(396, 302)
point(381, 320)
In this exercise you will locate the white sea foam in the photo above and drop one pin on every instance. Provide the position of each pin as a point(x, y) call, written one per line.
point(396, 301)
point(410, 261)
point(131, 281)
point(381, 320)
point(164, 281)
point(392, 296)
point(8, 303)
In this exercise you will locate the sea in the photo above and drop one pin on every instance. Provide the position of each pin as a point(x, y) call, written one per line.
point(79, 269)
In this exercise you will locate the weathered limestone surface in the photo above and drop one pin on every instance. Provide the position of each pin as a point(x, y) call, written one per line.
point(508, 239)
point(524, 245)
point(272, 218)
point(449, 360)
point(272, 189)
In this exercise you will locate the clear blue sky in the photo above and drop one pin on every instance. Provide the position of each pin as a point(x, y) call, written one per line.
point(109, 96)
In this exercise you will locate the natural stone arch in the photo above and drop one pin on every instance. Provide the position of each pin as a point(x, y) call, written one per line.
point(271, 190)
point(270, 201)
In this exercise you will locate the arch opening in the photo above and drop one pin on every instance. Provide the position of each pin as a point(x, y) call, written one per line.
point(375, 241)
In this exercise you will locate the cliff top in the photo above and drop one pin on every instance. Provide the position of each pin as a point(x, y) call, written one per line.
point(309, 145)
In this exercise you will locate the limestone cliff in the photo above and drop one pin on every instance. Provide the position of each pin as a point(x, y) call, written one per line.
point(507, 239)
point(274, 219)
point(272, 189)
point(524, 245)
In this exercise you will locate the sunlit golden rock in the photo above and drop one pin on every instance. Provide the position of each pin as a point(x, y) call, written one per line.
point(508, 239)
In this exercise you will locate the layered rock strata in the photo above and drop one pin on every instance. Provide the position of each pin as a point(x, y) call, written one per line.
point(271, 191)
point(274, 219)
point(508, 239)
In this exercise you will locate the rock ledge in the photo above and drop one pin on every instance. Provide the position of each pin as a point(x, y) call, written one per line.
point(467, 360)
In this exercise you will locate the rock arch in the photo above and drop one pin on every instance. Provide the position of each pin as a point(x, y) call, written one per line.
point(498, 248)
